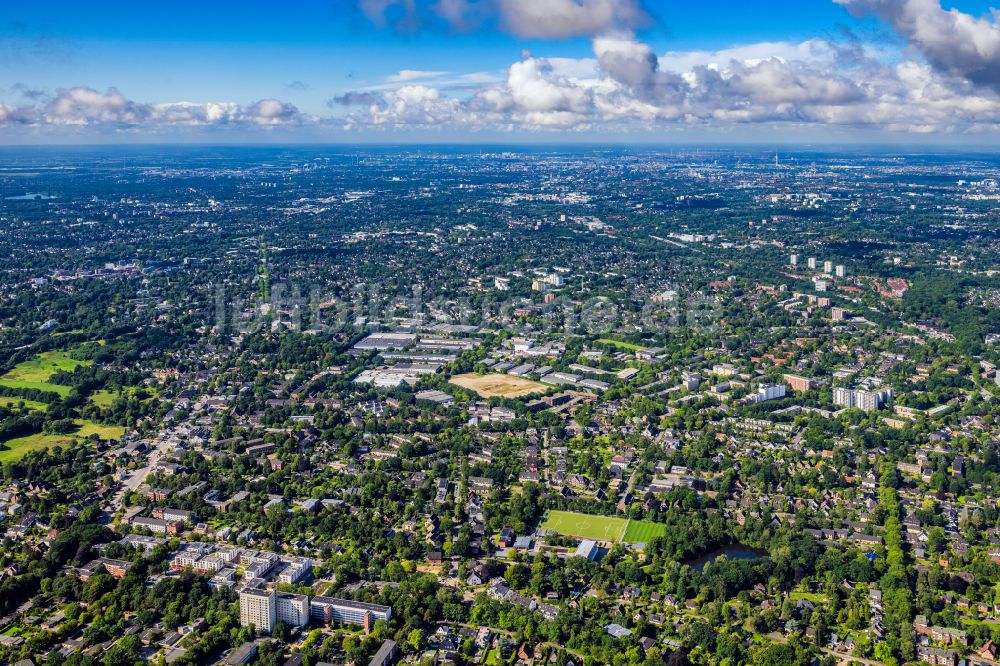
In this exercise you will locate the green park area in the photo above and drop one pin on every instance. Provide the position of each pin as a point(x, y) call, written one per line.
point(7, 401)
point(36, 372)
point(19, 446)
point(106, 398)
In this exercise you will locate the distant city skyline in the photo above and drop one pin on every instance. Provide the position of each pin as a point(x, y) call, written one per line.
point(494, 71)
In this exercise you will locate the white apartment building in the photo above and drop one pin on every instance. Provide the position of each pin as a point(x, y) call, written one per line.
point(292, 609)
point(770, 392)
point(861, 399)
point(345, 611)
point(258, 608)
point(263, 608)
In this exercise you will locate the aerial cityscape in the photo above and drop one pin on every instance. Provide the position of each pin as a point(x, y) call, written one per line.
point(664, 345)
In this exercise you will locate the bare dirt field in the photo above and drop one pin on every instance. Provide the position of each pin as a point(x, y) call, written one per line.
point(498, 386)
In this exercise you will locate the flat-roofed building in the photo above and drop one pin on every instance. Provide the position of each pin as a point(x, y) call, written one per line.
point(801, 384)
point(384, 341)
point(157, 525)
point(178, 515)
point(292, 609)
point(345, 611)
point(587, 549)
point(258, 608)
point(297, 569)
point(861, 399)
point(117, 568)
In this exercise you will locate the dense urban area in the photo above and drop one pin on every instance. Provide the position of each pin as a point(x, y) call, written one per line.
point(444, 405)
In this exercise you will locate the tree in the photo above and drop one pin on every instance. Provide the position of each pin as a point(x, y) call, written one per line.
point(883, 653)
point(415, 639)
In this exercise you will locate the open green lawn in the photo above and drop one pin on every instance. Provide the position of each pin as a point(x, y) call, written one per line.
point(105, 399)
point(643, 531)
point(621, 345)
point(35, 373)
point(88, 428)
point(18, 447)
point(602, 528)
point(30, 404)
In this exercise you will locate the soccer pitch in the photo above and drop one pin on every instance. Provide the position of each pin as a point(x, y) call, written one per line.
point(601, 528)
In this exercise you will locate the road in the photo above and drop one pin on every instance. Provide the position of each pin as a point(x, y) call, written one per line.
point(848, 659)
point(510, 634)
point(138, 477)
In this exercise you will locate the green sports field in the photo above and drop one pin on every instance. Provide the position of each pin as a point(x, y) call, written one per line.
point(601, 528)
point(643, 531)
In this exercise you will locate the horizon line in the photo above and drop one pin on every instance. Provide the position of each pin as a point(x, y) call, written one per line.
point(770, 146)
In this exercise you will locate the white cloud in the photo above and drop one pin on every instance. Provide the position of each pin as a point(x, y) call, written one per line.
point(271, 112)
point(413, 75)
point(541, 19)
point(575, 68)
point(535, 88)
point(412, 106)
point(431, 79)
point(568, 18)
point(812, 50)
point(9, 115)
point(948, 82)
point(477, 77)
point(952, 41)
point(86, 107)
point(627, 86)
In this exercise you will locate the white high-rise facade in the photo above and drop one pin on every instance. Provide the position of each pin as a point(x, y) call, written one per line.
point(258, 608)
point(292, 609)
point(860, 398)
point(263, 609)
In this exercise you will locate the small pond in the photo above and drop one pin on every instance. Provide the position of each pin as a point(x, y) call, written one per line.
point(31, 196)
point(734, 551)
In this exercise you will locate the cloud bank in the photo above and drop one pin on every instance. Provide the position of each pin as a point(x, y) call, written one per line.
point(626, 86)
point(529, 19)
point(86, 107)
point(953, 42)
point(946, 81)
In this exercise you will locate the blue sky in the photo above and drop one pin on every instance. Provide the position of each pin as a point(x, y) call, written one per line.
point(199, 50)
point(302, 55)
